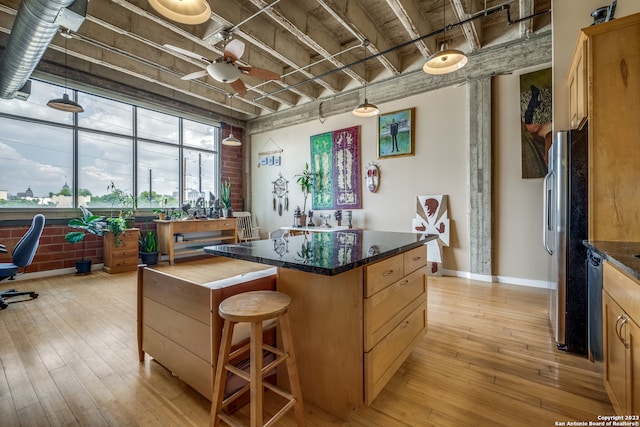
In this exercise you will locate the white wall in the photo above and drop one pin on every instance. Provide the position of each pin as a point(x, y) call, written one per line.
point(439, 166)
point(517, 203)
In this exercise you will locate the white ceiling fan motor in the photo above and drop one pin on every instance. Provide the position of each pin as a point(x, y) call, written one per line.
point(223, 71)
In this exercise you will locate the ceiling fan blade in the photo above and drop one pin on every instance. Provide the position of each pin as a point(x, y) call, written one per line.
point(233, 50)
point(186, 52)
point(194, 75)
point(260, 73)
point(239, 87)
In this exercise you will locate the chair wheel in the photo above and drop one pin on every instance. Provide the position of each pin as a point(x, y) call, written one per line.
point(3, 305)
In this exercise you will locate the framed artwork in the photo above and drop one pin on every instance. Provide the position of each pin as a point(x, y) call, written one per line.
point(396, 134)
point(536, 123)
point(335, 157)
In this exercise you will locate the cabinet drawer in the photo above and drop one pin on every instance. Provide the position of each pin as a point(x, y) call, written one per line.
point(227, 224)
point(624, 289)
point(184, 227)
point(386, 309)
point(382, 362)
point(121, 254)
point(415, 258)
point(383, 273)
point(207, 225)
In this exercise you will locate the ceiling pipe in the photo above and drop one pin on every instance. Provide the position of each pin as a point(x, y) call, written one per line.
point(33, 29)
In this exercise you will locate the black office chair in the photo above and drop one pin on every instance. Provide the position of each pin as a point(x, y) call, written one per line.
point(22, 255)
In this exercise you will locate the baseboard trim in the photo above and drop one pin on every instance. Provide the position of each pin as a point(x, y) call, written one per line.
point(499, 279)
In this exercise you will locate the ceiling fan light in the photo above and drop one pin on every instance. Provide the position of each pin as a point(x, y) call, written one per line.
point(224, 72)
point(445, 61)
point(65, 104)
point(231, 141)
point(365, 110)
point(183, 11)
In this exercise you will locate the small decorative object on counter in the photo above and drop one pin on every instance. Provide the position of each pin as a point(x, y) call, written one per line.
point(349, 218)
point(311, 223)
point(338, 216)
point(297, 217)
point(325, 220)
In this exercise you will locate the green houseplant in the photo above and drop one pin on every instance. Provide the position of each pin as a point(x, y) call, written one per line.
point(148, 243)
point(306, 179)
point(88, 223)
point(116, 225)
point(125, 201)
point(225, 198)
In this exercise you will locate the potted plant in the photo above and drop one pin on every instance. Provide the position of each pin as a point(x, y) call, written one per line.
point(88, 223)
point(306, 180)
point(148, 242)
point(125, 201)
point(225, 198)
point(116, 225)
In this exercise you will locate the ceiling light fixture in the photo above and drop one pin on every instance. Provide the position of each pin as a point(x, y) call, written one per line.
point(191, 12)
point(65, 103)
point(365, 109)
point(446, 60)
point(231, 140)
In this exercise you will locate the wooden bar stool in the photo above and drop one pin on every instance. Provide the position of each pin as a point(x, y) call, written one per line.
point(256, 307)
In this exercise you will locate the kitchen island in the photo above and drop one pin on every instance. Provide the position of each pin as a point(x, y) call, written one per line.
point(358, 307)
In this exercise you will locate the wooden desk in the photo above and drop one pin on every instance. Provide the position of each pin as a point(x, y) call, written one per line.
point(191, 236)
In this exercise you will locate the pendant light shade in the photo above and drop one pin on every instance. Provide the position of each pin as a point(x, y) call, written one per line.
point(65, 103)
point(445, 61)
point(231, 140)
point(183, 11)
point(365, 109)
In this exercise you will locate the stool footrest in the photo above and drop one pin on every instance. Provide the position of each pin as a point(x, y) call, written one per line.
point(239, 351)
point(229, 400)
point(279, 390)
point(273, 420)
point(229, 420)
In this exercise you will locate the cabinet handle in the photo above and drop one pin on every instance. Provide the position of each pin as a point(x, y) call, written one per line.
point(403, 283)
point(619, 329)
point(404, 324)
point(417, 258)
point(387, 273)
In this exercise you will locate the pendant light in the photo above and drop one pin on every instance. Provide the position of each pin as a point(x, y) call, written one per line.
point(446, 60)
point(65, 103)
point(183, 11)
point(231, 140)
point(365, 109)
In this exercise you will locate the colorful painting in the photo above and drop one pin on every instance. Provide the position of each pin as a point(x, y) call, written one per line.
point(396, 134)
point(536, 122)
point(335, 156)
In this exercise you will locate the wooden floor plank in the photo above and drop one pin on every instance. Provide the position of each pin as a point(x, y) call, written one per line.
point(69, 357)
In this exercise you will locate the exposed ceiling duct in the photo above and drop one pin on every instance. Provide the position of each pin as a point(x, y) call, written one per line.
point(35, 26)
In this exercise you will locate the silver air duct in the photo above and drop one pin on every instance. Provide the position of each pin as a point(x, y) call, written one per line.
point(33, 29)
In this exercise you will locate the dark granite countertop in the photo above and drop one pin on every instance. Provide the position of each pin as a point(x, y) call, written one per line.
point(620, 254)
point(324, 253)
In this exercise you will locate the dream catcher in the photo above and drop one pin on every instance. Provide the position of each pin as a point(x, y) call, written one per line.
point(281, 193)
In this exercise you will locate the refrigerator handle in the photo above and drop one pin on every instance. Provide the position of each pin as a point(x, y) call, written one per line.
point(546, 226)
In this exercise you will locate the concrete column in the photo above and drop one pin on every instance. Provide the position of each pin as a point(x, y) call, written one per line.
point(481, 261)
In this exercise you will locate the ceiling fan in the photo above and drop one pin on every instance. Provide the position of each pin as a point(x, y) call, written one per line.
point(224, 69)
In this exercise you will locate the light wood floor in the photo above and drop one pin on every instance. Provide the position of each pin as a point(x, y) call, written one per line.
point(70, 358)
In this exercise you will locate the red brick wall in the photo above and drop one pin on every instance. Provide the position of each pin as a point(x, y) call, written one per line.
point(233, 168)
point(54, 252)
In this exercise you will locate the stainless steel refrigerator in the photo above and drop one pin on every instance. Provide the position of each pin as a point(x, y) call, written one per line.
point(565, 227)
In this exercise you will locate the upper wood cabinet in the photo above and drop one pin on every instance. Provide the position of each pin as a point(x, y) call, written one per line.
point(608, 55)
point(578, 89)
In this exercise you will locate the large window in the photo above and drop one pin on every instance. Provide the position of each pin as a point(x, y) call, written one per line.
point(54, 159)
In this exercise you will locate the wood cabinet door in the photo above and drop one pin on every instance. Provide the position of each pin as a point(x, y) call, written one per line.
point(614, 354)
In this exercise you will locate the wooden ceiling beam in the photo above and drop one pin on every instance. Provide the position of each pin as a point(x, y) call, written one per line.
point(469, 29)
point(404, 10)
